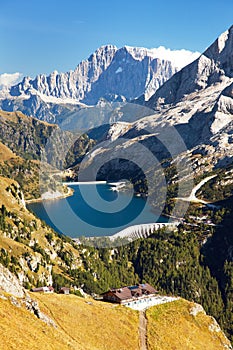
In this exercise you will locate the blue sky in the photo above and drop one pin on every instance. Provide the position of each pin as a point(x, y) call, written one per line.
point(41, 36)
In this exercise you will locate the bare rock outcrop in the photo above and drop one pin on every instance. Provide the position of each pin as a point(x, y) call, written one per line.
point(10, 284)
point(33, 306)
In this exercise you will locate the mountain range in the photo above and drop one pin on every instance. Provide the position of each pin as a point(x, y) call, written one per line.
point(112, 74)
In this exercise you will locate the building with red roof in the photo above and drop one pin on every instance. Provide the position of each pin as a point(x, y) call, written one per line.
point(128, 295)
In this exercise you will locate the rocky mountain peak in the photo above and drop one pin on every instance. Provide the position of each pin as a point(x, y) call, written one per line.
point(214, 66)
point(138, 53)
point(103, 51)
point(222, 47)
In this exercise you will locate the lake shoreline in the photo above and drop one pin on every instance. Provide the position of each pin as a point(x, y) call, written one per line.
point(68, 194)
point(60, 196)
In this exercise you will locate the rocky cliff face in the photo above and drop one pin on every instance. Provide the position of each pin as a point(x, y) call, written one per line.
point(71, 85)
point(131, 73)
point(10, 284)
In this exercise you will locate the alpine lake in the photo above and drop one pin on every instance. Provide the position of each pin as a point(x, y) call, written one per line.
point(95, 210)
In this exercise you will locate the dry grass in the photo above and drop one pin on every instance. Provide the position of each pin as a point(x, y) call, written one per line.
point(6, 153)
point(82, 325)
point(10, 202)
point(85, 324)
point(170, 326)
point(95, 325)
point(22, 330)
point(12, 246)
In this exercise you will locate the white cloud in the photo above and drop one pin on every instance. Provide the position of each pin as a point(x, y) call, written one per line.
point(180, 58)
point(7, 80)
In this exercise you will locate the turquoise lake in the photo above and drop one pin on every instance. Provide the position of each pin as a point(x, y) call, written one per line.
point(94, 210)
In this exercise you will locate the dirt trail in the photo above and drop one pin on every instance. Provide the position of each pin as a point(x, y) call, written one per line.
point(143, 330)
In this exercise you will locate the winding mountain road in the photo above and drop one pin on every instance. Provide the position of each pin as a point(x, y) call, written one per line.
point(192, 197)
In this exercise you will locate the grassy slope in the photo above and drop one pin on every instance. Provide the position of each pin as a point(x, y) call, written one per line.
point(6, 153)
point(81, 325)
point(22, 330)
point(170, 326)
point(6, 198)
point(85, 324)
point(16, 116)
point(15, 167)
